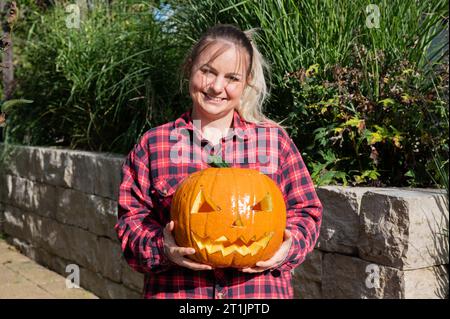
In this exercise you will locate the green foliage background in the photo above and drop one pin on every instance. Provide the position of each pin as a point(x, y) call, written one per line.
point(365, 105)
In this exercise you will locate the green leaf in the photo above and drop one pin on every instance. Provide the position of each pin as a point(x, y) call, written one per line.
point(7, 105)
point(375, 137)
point(312, 70)
point(387, 102)
point(217, 161)
point(410, 173)
point(353, 122)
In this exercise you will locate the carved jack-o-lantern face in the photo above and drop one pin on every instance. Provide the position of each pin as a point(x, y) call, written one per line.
point(232, 217)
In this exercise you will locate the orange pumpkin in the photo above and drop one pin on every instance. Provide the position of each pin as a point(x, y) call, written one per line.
point(232, 217)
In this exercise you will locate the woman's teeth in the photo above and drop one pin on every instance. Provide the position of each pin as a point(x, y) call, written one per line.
point(214, 99)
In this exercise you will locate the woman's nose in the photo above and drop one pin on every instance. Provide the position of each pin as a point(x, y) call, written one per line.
point(218, 84)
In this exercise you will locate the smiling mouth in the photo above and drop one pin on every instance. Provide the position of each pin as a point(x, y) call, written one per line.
point(213, 99)
point(222, 244)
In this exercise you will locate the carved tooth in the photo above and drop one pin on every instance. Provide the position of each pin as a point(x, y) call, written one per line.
point(265, 240)
point(222, 239)
point(213, 247)
point(228, 250)
point(243, 250)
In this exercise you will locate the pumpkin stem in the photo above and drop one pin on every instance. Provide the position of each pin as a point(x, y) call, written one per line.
point(217, 161)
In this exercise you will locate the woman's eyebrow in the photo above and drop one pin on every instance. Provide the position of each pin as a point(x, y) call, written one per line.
point(213, 69)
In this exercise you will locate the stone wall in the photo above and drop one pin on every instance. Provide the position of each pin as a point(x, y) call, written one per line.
point(59, 207)
point(378, 243)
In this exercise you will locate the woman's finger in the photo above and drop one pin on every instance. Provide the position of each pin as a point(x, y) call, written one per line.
point(252, 270)
point(193, 265)
point(168, 228)
point(287, 234)
point(267, 263)
point(182, 251)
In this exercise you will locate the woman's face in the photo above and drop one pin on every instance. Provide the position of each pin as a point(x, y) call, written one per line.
point(218, 79)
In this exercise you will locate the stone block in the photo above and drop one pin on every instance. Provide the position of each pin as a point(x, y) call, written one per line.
point(25, 247)
point(27, 226)
point(53, 166)
point(109, 259)
point(3, 186)
point(103, 216)
point(15, 223)
point(30, 195)
point(70, 243)
point(17, 160)
point(2, 218)
point(305, 289)
point(99, 254)
point(307, 277)
point(311, 268)
point(89, 212)
point(131, 278)
point(43, 199)
point(72, 209)
point(105, 288)
point(82, 171)
point(346, 277)
point(340, 223)
point(108, 175)
point(43, 257)
point(404, 228)
point(18, 191)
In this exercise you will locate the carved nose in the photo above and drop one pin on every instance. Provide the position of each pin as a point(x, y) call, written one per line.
point(238, 222)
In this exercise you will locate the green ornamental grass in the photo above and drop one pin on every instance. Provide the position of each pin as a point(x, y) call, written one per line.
point(360, 86)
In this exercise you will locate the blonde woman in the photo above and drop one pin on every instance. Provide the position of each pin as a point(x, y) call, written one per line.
point(227, 87)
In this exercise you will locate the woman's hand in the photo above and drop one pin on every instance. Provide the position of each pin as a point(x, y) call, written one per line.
point(176, 254)
point(276, 259)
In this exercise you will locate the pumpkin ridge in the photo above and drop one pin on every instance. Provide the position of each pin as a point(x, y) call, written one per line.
point(196, 182)
point(212, 185)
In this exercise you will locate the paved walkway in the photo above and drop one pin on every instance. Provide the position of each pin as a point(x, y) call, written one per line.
point(21, 277)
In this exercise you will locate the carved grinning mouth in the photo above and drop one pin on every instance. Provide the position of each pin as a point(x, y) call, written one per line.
point(222, 244)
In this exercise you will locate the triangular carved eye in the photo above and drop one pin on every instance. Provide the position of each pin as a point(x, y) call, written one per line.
point(205, 208)
point(203, 204)
point(264, 204)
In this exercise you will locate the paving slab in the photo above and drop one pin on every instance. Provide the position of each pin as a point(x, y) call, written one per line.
point(22, 278)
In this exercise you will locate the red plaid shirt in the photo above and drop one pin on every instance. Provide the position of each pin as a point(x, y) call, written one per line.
point(162, 159)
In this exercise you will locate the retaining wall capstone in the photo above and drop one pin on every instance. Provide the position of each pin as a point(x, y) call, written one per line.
point(59, 207)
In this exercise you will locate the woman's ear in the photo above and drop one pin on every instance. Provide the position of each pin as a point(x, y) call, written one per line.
point(249, 80)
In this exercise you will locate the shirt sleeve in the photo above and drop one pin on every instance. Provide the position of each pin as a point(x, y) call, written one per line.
point(303, 207)
point(138, 228)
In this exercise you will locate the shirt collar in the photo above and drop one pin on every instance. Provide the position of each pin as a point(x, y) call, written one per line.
point(238, 124)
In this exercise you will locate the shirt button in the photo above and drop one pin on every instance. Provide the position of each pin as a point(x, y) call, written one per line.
point(276, 273)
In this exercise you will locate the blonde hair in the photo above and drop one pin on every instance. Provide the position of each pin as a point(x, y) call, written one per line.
point(256, 90)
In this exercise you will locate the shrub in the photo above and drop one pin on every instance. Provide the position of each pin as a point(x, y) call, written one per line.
point(365, 105)
point(97, 87)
